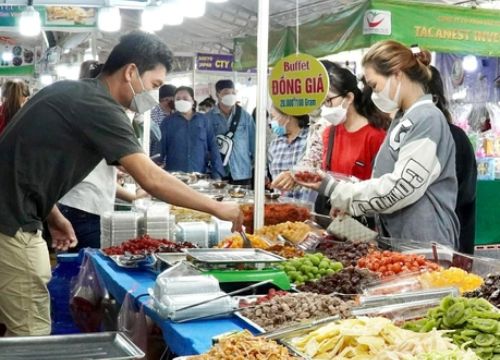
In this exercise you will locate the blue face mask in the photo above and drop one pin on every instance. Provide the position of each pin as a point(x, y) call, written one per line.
point(278, 129)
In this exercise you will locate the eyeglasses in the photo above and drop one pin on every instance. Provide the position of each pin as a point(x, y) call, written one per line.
point(329, 100)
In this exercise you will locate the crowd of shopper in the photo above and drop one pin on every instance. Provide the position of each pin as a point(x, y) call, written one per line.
point(391, 130)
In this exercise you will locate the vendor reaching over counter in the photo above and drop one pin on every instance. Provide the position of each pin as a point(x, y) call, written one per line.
point(413, 186)
point(51, 144)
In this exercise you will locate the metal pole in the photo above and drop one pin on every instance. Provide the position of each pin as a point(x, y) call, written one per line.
point(260, 145)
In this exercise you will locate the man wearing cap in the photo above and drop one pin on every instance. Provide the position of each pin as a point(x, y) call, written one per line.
point(159, 112)
point(235, 131)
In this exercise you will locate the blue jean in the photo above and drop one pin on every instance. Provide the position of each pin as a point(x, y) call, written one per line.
point(87, 227)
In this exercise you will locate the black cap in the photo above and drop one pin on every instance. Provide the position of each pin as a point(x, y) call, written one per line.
point(167, 91)
point(224, 84)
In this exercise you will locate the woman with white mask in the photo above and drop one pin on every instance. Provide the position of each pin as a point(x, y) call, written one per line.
point(413, 188)
point(188, 143)
point(355, 134)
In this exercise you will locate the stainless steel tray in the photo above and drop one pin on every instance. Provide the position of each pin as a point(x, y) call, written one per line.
point(171, 258)
point(232, 256)
point(106, 345)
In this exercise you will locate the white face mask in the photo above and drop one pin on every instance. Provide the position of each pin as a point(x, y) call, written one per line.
point(229, 100)
point(183, 106)
point(383, 101)
point(335, 115)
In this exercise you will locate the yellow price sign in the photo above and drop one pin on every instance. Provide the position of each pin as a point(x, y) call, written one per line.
point(298, 84)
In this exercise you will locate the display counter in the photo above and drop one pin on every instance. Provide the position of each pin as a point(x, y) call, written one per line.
point(190, 338)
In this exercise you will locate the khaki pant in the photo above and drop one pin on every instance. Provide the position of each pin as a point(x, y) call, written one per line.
point(24, 274)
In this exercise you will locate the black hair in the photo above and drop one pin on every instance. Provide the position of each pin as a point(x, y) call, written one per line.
point(90, 69)
point(303, 120)
point(343, 81)
point(190, 91)
point(209, 101)
point(224, 84)
point(254, 114)
point(144, 50)
point(436, 88)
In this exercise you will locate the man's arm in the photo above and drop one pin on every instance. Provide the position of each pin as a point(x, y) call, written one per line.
point(61, 231)
point(166, 187)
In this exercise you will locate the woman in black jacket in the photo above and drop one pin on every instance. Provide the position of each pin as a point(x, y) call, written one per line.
point(466, 169)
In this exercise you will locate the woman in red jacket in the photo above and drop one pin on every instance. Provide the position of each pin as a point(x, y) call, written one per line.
point(358, 127)
point(14, 95)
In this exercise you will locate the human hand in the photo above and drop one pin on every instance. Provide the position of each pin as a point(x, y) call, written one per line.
point(62, 233)
point(230, 211)
point(313, 185)
point(334, 213)
point(140, 193)
point(283, 181)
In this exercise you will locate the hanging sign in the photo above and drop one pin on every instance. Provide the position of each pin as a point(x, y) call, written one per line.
point(214, 62)
point(71, 18)
point(298, 84)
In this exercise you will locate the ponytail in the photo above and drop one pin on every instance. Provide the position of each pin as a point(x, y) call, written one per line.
point(14, 93)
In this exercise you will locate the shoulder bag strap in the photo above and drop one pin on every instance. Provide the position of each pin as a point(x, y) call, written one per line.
point(329, 151)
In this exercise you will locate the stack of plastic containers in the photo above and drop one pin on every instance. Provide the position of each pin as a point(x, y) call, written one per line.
point(157, 222)
point(175, 293)
point(117, 227)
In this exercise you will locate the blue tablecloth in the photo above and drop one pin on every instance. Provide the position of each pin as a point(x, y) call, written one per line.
point(190, 338)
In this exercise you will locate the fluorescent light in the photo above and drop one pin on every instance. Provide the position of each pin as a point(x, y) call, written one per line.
point(46, 79)
point(194, 8)
point(151, 19)
point(7, 56)
point(30, 23)
point(109, 19)
point(469, 63)
point(171, 13)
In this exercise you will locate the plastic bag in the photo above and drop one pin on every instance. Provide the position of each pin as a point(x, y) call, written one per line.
point(87, 298)
point(347, 228)
point(133, 322)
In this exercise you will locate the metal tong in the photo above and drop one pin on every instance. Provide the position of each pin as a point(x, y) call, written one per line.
point(250, 287)
point(246, 242)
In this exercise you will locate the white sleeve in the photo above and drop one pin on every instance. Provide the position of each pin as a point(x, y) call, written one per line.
point(415, 169)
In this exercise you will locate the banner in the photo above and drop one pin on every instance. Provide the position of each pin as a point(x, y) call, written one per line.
point(16, 60)
point(327, 35)
point(53, 17)
point(214, 62)
point(440, 28)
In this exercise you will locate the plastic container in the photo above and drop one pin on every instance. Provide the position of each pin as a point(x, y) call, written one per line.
point(59, 287)
point(194, 284)
point(426, 294)
point(175, 302)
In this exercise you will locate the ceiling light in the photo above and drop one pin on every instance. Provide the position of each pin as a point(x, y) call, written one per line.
point(194, 8)
point(171, 12)
point(151, 19)
point(109, 19)
point(469, 63)
point(7, 56)
point(30, 23)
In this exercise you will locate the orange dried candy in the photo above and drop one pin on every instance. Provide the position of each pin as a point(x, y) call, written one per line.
point(453, 276)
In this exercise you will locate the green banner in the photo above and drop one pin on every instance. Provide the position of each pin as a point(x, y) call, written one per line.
point(24, 70)
point(441, 28)
point(327, 35)
point(53, 17)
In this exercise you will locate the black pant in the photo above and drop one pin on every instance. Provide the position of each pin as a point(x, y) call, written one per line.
point(87, 227)
point(244, 182)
